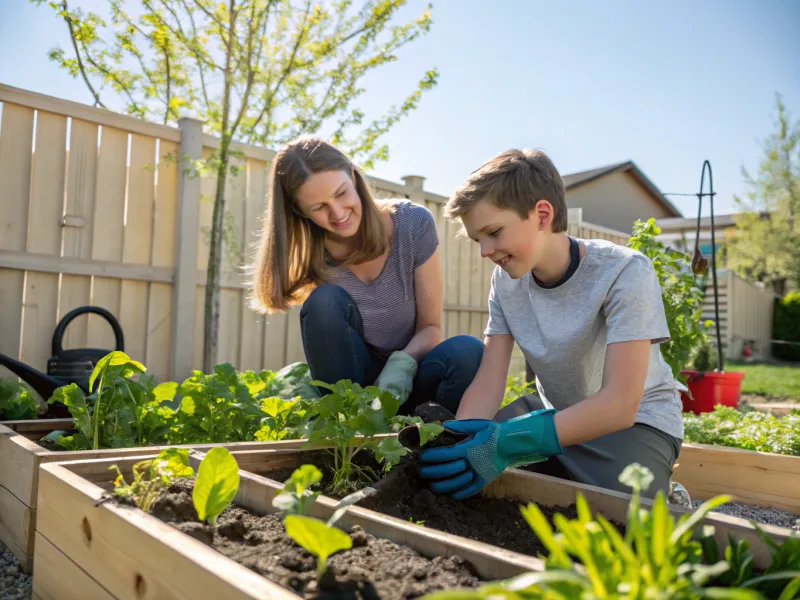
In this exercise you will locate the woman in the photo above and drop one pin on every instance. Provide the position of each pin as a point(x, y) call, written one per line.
point(368, 276)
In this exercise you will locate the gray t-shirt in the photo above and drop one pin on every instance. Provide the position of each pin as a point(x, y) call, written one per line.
point(388, 305)
point(613, 296)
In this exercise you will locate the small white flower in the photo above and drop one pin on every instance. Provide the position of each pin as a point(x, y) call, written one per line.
point(376, 404)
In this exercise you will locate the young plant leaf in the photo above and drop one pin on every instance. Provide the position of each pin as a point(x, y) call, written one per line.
point(391, 450)
point(216, 484)
point(113, 359)
point(317, 538)
point(428, 431)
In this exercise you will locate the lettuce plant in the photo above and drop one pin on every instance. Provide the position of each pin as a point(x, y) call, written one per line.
point(16, 401)
point(297, 497)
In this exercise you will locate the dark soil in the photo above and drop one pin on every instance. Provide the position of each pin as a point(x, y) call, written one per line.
point(374, 568)
point(405, 495)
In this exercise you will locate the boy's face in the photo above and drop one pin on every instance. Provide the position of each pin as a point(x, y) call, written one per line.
point(504, 238)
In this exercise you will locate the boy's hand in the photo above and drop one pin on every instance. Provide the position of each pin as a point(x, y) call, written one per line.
point(464, 469)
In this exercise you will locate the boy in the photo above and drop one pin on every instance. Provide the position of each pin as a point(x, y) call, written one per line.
point(589, 319)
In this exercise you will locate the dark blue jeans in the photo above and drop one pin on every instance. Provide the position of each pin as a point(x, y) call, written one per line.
point(333, 341)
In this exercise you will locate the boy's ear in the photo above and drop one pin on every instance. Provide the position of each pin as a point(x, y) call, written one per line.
point(543, 213)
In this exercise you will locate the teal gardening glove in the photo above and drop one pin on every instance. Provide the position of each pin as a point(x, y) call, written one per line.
point(397, 375)
point(465, 468)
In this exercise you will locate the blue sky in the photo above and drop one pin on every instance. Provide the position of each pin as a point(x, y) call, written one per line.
point(666, 84)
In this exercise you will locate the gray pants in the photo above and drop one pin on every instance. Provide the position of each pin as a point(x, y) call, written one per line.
point(601, 461)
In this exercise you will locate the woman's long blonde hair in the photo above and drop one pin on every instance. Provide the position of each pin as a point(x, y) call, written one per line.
point(291, 258)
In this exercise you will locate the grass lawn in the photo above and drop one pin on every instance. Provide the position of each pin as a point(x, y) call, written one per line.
point(778, 381)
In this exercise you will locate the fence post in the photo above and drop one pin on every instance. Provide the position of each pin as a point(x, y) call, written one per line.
point(184, 286)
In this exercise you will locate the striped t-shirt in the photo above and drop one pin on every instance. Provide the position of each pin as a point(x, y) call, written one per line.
point(388, 305)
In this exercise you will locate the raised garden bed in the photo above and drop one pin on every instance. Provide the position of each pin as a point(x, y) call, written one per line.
point(20, 458)
point(515, 487)
point(96, 547)
point(753, 478)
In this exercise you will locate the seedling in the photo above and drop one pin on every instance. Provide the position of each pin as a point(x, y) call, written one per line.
point(152, 476)
point(350, 411)
point(297, 497)
point(216, 485)
point(316, 537)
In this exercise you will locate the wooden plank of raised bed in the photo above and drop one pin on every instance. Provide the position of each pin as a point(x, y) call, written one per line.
point(756, 478)
point(18, 464)
point(133, 554)
point(58, 578)
point(17, 527)
point(541, 489)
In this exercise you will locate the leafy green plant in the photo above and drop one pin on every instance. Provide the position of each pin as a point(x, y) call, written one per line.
point(314, 536)
point(516, 386)
point(296, 497)
point(350, 411)
point(125, 409)
point(215, 407)
point(152, 476)
point(216, 485)
point(751, 430)
point(680, 292)
point(16, 401)
point(786, 327)
point(284, 419)
point(705, 358)
point(588, 558)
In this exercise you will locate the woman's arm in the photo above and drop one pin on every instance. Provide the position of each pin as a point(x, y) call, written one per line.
point(615, 405)
point(428, 290)
point(484, 395)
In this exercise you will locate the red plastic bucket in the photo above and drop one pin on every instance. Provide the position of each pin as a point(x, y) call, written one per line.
point(709, 388)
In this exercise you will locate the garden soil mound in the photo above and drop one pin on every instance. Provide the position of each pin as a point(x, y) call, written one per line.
point(374, 568)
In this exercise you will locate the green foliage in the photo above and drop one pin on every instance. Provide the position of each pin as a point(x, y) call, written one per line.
point(316, 537)
point(16, 401)
point(765, 244)
point(217, 407)
point(752, 430)
point(152, 476)
point(225, 406)
point(258, 71)
point(516, 386)
point(786, 327)
point(658, 557)
point(705, 358)
point(682, 296)
point(297, 497)
point(216, 484)
point(347, 412)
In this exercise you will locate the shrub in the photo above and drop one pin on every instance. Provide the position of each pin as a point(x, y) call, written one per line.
point(786, 327)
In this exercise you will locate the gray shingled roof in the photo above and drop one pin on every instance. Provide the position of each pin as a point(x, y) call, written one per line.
point(574, 180)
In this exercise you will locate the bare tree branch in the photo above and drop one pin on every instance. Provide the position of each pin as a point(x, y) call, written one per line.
point(82, 69)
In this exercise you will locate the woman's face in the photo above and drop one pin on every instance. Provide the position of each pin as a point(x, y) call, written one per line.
point(330, 200)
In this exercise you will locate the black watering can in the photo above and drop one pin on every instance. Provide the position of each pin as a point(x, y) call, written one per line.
point(65, 366)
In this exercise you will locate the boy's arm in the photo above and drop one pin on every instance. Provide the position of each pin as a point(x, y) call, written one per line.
point(615, 405)
point(483, 397)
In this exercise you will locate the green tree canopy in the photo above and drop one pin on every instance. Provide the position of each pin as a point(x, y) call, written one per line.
point(259, 71)
point(765, 246)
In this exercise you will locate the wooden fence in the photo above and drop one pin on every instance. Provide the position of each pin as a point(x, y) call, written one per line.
point(745, 314)
point(92, 211)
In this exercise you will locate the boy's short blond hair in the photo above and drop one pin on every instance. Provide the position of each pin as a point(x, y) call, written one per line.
point(515, 180)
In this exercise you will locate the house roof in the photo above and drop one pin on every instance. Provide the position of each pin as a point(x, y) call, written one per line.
point(574, 180)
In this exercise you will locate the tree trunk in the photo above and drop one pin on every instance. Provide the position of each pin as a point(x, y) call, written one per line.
point(211, 314)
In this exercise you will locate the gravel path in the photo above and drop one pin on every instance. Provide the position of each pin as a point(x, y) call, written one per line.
point(769, 516)
point(14, 584)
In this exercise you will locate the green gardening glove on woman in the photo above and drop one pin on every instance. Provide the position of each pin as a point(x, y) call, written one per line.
point(465, 468)
point(397, 376)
